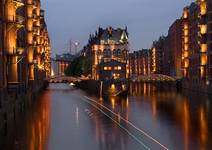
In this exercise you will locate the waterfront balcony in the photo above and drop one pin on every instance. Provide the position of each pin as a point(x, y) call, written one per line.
point(17, 20)
point(204, 48)
point(203, 8)
point(18, 3)
point(34, 16)
point(37, 23)
point(32, 3)
point(15, 51)
point(203, 59)
point(185, 54)
point(36, 31)
point(186, 62)
point(203, 29)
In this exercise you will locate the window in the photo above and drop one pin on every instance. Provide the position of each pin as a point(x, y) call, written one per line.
point(114, 52)
point(119, 52)
point(99, 52)
point(117, 68)
point(109, 52)
point(105, 52)
point(107, 68)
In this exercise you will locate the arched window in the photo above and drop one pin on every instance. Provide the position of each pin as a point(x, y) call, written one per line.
point(99, 52)
point(109, 53)
point(114, 52)
point(118, 52)
point(105, 52)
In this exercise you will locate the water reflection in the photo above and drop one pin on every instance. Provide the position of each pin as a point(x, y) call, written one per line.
point(108, 133)
point(32, 129)
point(38, 125)
point(177, 120)
point(189, 111)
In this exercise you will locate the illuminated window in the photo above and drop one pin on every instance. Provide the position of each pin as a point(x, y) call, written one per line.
point(107, 68)
point(204, 59)
point(204, 47)
point(117, 68)
point(185, 14)
point(203, 8)
point(203, 29)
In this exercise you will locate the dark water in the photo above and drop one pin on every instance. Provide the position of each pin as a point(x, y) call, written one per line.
point(151, 118)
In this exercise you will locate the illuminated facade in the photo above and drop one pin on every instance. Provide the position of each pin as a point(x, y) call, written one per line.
point(173, 53)
point(209, 27)
point(140, 63)
point(62, 62)
point(24, 52)
point(110, 54)
point(158, 50)
point(196, 54)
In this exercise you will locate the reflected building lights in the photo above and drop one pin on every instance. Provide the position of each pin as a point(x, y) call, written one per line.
point(186, 124)
point(203, 126)
point(145, 90)
point(77, 115)
point(154, 106)
point(39, 126)
point(113, 102)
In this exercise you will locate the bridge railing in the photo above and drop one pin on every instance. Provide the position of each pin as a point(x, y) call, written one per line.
point(153, 77)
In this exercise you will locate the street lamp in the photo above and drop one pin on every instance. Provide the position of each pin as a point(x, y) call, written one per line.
point(76, 44)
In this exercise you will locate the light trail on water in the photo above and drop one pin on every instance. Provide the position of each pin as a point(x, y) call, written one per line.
point(128, 122)
point(126, 130)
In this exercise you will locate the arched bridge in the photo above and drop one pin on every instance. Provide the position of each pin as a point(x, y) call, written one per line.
point(64, 79)
point(153, 78)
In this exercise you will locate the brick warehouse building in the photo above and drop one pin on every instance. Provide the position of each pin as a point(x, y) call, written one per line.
point(197, 47)
point(175, 48)
point(109, 54)
point(140, 63)
point(24, 56)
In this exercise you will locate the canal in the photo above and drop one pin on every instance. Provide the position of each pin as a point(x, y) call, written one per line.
point(152, 117)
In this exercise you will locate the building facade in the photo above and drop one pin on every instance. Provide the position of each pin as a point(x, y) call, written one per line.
point(158, 49)
point(24, 55)
point(196, 55)
point(110, 54)
point(140, 63)
point(62, 62)
point(209, 42)
point(174, 49)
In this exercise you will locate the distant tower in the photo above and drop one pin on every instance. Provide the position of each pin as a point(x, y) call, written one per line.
point(70, 47)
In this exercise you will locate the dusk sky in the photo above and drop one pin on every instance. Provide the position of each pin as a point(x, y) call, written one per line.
point(76, 19)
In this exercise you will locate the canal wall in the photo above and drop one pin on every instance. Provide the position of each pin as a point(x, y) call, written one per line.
point(13, 106)
point(197, 86)
point(90, 86)
point(94, 87)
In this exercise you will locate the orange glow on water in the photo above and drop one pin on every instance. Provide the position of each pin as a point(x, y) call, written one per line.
point(186, 124)
point(39, 126)
point(203, 126)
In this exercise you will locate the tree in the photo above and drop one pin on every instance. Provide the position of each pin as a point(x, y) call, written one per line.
point(79, 66)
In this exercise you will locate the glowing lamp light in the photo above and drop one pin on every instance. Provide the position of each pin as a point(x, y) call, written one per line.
point(113, 87)
point(52, 72)
point(72, 84)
